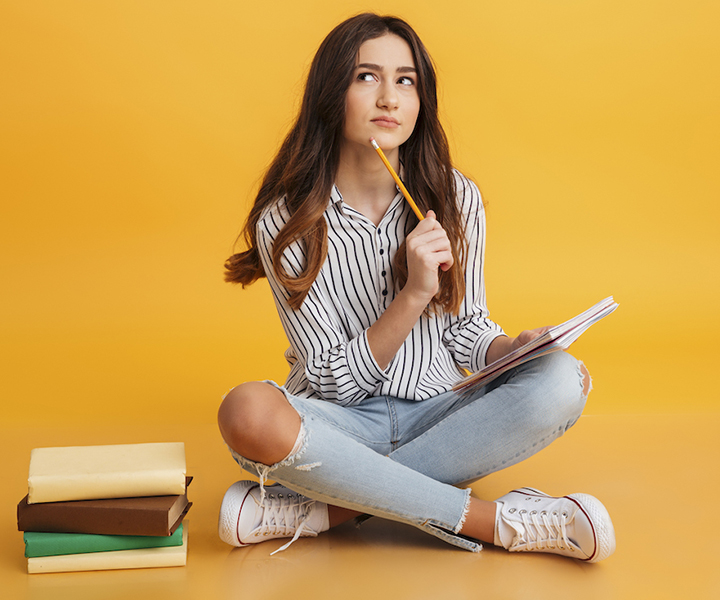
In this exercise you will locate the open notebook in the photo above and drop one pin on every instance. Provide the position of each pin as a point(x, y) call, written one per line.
point(556, 338)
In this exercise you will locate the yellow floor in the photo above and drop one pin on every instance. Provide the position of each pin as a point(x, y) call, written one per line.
point(657, 474)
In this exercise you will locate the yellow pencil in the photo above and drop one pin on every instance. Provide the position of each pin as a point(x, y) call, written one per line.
point(402, 187)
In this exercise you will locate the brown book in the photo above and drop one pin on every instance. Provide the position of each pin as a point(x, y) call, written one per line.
point(150, 515)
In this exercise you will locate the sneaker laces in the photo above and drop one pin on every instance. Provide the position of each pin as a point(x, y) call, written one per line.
point(285, 515)
point(541, 535)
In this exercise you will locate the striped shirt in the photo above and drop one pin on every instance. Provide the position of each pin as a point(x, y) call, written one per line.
point(329, 355)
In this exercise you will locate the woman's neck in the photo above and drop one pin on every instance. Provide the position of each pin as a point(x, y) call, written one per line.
point(364, 182)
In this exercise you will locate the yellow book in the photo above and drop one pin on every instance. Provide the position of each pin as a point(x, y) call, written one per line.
point(139, 558)
point(113, 471)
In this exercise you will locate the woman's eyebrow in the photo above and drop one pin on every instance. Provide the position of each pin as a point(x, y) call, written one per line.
point(375, 67)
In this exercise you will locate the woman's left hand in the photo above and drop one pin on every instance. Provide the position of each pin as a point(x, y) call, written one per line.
point(503, 345)
point(527, 336)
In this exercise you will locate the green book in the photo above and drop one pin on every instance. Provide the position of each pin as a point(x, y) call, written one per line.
point(39, 544)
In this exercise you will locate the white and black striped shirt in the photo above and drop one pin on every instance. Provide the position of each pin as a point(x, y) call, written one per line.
point(329, 355)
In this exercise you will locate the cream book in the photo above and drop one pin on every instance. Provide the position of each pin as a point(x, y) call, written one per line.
point(113, 471)
point(139, 558)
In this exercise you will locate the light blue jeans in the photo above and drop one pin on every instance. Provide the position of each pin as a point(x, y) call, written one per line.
point(401, 459)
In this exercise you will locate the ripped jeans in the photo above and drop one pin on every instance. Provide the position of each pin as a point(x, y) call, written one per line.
point(402, 460)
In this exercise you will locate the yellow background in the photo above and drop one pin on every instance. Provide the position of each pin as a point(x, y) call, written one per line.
point(132, 137)
point(133, 134)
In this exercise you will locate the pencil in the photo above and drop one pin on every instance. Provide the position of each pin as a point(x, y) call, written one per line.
point(402, 187)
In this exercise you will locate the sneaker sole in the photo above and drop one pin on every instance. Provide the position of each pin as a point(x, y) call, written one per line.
point(230, 510)
point(599, 519)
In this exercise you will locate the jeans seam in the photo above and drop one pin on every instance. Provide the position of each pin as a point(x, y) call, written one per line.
point(394, 442)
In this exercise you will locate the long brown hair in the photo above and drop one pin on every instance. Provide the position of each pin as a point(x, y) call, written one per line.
point(304, 168)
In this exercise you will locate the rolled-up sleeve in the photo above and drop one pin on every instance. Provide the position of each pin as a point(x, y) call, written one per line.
point(469, 334)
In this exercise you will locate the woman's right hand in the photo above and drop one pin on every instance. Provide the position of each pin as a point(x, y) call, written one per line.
point(428, 249)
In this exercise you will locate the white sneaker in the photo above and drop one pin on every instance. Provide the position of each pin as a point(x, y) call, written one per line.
point(577, 525)
point(245, 519)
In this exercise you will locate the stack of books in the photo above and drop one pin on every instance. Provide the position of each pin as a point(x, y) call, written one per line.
point(91, 508)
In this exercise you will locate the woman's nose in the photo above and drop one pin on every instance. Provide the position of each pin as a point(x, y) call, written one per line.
point(388, 97)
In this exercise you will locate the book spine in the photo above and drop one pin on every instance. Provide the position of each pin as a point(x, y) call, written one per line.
point(39, 544)
point(89, 486)
point(58, 518)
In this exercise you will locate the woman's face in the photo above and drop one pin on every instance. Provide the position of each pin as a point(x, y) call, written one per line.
point(382, 101)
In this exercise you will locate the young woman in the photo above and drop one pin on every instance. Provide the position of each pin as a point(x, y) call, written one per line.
point(381, 309)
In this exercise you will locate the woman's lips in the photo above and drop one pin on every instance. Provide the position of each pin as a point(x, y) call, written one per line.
point(388, 122)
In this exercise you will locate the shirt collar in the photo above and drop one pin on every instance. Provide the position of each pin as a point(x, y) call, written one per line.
point(335, 195)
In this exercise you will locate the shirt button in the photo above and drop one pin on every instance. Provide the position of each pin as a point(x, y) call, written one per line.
point(384, 273)
point(382, 251)
point(384, 292)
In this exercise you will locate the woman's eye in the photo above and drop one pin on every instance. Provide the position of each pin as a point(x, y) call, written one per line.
point(366, 77)
point(406, 81)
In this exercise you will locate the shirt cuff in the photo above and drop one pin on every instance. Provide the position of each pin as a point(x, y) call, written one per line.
point(479, 353)
point(362, 365)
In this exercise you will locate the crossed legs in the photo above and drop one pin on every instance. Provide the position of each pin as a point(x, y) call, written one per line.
point(259, 423)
